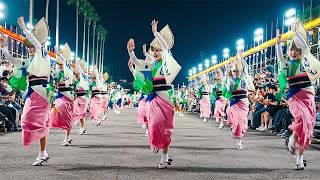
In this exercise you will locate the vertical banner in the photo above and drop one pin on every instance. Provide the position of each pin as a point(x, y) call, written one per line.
point(319, 38)
point(310, 37)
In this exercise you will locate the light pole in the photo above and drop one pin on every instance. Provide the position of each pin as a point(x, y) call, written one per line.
point(200, 67)
point(2, 7)
point(290, 17)
point(214, 59)
point(190, 72)
point(258, 38)
point(240, 45)
point(226, 52)
point(207, 63)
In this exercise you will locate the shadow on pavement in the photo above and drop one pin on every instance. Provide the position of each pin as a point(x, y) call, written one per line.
point(171, 169)
point(148, 147)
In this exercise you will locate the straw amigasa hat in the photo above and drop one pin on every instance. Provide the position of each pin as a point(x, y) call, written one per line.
point(82, 63)
point(168, 37)
point(105, 76)
point(66, 53)
point(80, 66)
point(300, 36)
point(40, 31)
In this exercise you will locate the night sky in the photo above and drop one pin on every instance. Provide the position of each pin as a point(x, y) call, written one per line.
point(201, 27)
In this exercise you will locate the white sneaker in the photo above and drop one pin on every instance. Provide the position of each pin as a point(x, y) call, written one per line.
point(205, 120)
point(163, 165)
point(299, 166)
point(221, 125)
point(260, 127)
point(64, 143)
point(263, 128)
point(40, 159)
point(117, 112)
point(81, 131)
point(217, 119)
point(201, 116)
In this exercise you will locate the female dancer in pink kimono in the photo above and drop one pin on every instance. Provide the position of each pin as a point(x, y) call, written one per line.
point(61, 115)
point(239, 82)
point(160, 111)
point(221, 102)
point(35, 114)
point(80, 104)
point(96, 99)
point(301, 69)
point(205, 106)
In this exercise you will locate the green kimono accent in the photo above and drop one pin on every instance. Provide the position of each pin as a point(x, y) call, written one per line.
point(145, 86)
point(92, 84)
point(18, 83)
point(19, 80)
point(283, 74)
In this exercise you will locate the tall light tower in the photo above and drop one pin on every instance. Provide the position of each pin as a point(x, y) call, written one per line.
point(226, 53)
point(258, 38)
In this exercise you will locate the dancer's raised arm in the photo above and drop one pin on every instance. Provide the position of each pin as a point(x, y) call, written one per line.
point(29, 35)
point(157, 35)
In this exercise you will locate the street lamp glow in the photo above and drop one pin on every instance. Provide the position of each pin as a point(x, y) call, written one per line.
point(194, 70)
point(226, 52)
point(206, 63)
point(290, 12)
point(1, 15)
point(290, 21)
point(258, 35)
point(200, 67)
point(190, 72)
point(240, 44)
point(214, 59)
point(2, 6)
point(61, 46)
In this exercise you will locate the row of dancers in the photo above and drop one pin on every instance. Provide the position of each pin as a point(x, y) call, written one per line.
point(57, 93)
point(297, 75)
point(153, 77)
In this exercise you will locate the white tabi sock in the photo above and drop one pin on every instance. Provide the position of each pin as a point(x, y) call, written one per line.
point(43, 153)
point(66, 138)
point(164, 158)
point(299, 159)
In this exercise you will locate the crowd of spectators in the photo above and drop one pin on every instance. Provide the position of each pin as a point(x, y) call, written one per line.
point(10, 101)
point(269, 110)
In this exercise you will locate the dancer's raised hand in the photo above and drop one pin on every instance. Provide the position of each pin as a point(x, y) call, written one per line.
point(21, 23)
point(130, 45)
point(144, 48)
point(154, 25)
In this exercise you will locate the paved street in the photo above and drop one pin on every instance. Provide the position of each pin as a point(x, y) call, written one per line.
point(118, 149)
